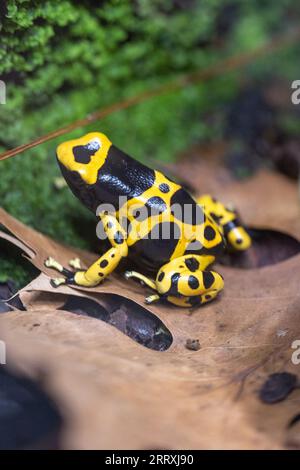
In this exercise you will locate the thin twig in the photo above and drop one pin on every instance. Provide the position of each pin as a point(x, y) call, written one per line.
point(225, 65)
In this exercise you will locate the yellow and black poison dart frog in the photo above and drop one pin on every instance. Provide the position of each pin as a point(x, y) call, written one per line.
point(166, 230)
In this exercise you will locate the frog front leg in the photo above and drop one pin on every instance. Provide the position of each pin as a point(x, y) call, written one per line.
point(99, 270)
point(184, 281)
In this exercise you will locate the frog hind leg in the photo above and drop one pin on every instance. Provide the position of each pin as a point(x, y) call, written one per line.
point(226, 217)
point(192, 301)
point(101, 268)
point(184, 281)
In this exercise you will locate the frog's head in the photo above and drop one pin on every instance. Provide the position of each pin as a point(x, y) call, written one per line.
point(227, 217)
point(80, 160)
point(85, 155)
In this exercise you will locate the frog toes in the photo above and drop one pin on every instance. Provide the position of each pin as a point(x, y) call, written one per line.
point(129, 274)
point(75, 263)
point(152, 298)
point(58, 281)
point(52, 263)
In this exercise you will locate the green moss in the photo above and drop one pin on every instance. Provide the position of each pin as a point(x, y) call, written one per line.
point(61, 59)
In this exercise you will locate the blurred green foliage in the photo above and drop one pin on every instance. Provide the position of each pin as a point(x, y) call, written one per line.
point(62, 59)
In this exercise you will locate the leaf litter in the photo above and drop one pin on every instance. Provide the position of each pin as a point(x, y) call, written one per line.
point(117, 393)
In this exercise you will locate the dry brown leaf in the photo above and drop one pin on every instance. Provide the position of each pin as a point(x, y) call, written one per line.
point(119, 394)
point(115, 393)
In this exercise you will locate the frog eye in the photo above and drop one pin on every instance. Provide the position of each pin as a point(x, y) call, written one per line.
point(83, 153)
